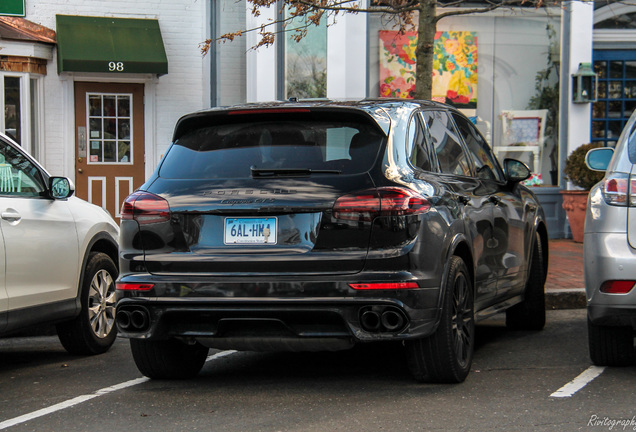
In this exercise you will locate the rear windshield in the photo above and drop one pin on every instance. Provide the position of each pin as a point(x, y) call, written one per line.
point(233, 150)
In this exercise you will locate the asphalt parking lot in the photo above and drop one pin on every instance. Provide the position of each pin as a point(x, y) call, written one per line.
point(520, 381)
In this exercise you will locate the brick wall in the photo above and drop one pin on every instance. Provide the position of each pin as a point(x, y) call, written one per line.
point(183, 26)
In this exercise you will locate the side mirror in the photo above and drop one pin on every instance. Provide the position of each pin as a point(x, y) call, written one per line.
point(61, 187)
point(516, 171)
point(598, 159)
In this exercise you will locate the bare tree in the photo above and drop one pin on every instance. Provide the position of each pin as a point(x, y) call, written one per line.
point(408, 15)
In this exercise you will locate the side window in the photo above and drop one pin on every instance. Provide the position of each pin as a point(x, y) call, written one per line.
point(485, 165)
point(450, 154)
point(18, 176)
point(420, 156)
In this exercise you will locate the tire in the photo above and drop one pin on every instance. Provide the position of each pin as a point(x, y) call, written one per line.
point(93, 331)
point(446, 356)
point(168, 359)
point(530, 313)
point(611, 346)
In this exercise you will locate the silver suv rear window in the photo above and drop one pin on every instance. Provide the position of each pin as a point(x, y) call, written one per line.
point(232, 150)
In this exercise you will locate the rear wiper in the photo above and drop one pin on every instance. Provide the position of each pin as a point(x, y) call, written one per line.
point(289, 172)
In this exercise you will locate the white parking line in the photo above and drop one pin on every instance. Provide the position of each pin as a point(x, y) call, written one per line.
point(579, 382)
point(81, 399)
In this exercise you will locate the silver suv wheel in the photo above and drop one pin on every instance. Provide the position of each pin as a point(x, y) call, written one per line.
point(101, 303)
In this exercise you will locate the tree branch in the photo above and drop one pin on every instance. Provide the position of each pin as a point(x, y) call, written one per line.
point(492, 6)
point(339, 6)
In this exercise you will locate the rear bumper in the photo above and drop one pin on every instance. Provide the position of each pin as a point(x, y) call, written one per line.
point(278, 323)
point(608, 256)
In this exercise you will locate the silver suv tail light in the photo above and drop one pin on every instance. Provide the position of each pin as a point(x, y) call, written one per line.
point(619, 190)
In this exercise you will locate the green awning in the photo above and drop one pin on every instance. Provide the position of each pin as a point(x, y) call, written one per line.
point(110, 45)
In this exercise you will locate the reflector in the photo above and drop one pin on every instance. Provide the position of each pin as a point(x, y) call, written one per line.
point(384, 285)
point(134, 287)
point(617, 287)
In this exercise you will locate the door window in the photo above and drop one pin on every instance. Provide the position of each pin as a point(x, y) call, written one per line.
point(485, 166)
point(110, 128)
point(18, 175)
point(450, 154)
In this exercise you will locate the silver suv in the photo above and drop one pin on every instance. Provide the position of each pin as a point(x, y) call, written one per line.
point(610, 252)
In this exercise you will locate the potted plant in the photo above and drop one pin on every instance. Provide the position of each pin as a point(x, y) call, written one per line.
point(575, 201)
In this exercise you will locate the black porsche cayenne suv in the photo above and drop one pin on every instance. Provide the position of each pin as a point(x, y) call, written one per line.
point(319, 225)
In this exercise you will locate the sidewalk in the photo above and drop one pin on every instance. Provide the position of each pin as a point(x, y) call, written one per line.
point(565, 286)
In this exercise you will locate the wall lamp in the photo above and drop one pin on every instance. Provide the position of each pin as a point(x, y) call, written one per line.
point(584, 88)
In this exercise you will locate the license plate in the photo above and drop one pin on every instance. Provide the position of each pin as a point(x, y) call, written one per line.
point(250, 230)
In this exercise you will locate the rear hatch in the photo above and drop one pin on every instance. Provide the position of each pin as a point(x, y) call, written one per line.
point(253, 193)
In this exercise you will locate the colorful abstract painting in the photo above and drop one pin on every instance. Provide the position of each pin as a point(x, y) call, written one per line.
point(454, 66)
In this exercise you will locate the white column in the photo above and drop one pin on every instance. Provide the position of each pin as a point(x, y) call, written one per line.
point(347, 57)
point(261, 63)
point(578, 43)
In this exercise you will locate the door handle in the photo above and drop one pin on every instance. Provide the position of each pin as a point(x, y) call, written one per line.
point(80, 171)
point(11, 216)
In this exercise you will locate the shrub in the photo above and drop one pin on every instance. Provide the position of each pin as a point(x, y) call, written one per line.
point(577, 172)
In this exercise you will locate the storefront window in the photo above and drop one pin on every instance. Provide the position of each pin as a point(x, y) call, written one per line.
point(20, 104)
point(616, 70)
point(12, 113)
point(306, 60)
point(501, 71)
point(618, 21)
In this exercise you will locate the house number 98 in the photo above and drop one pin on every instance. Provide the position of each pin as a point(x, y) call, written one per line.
point(116, 66)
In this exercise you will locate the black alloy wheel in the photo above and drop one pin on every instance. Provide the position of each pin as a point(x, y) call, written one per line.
point(446, 356)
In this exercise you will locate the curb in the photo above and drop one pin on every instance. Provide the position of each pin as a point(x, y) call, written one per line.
point(565, 299)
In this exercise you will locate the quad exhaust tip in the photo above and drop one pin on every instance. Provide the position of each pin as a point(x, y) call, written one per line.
point(382, 319)
point(135, 319)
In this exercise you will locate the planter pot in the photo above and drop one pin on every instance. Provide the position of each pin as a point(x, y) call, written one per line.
point(575, 205)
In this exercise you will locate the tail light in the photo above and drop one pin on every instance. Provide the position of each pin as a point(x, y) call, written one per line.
point(145, 208)
point(384, 285)
point(617, 286)
point(385, 201)
point(620, 190)
point(134, 286)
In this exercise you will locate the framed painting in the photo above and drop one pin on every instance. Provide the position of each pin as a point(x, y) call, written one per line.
point(454, 66)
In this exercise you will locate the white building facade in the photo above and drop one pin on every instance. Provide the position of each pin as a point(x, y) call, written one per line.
point(102, 117)
point(85, 123)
